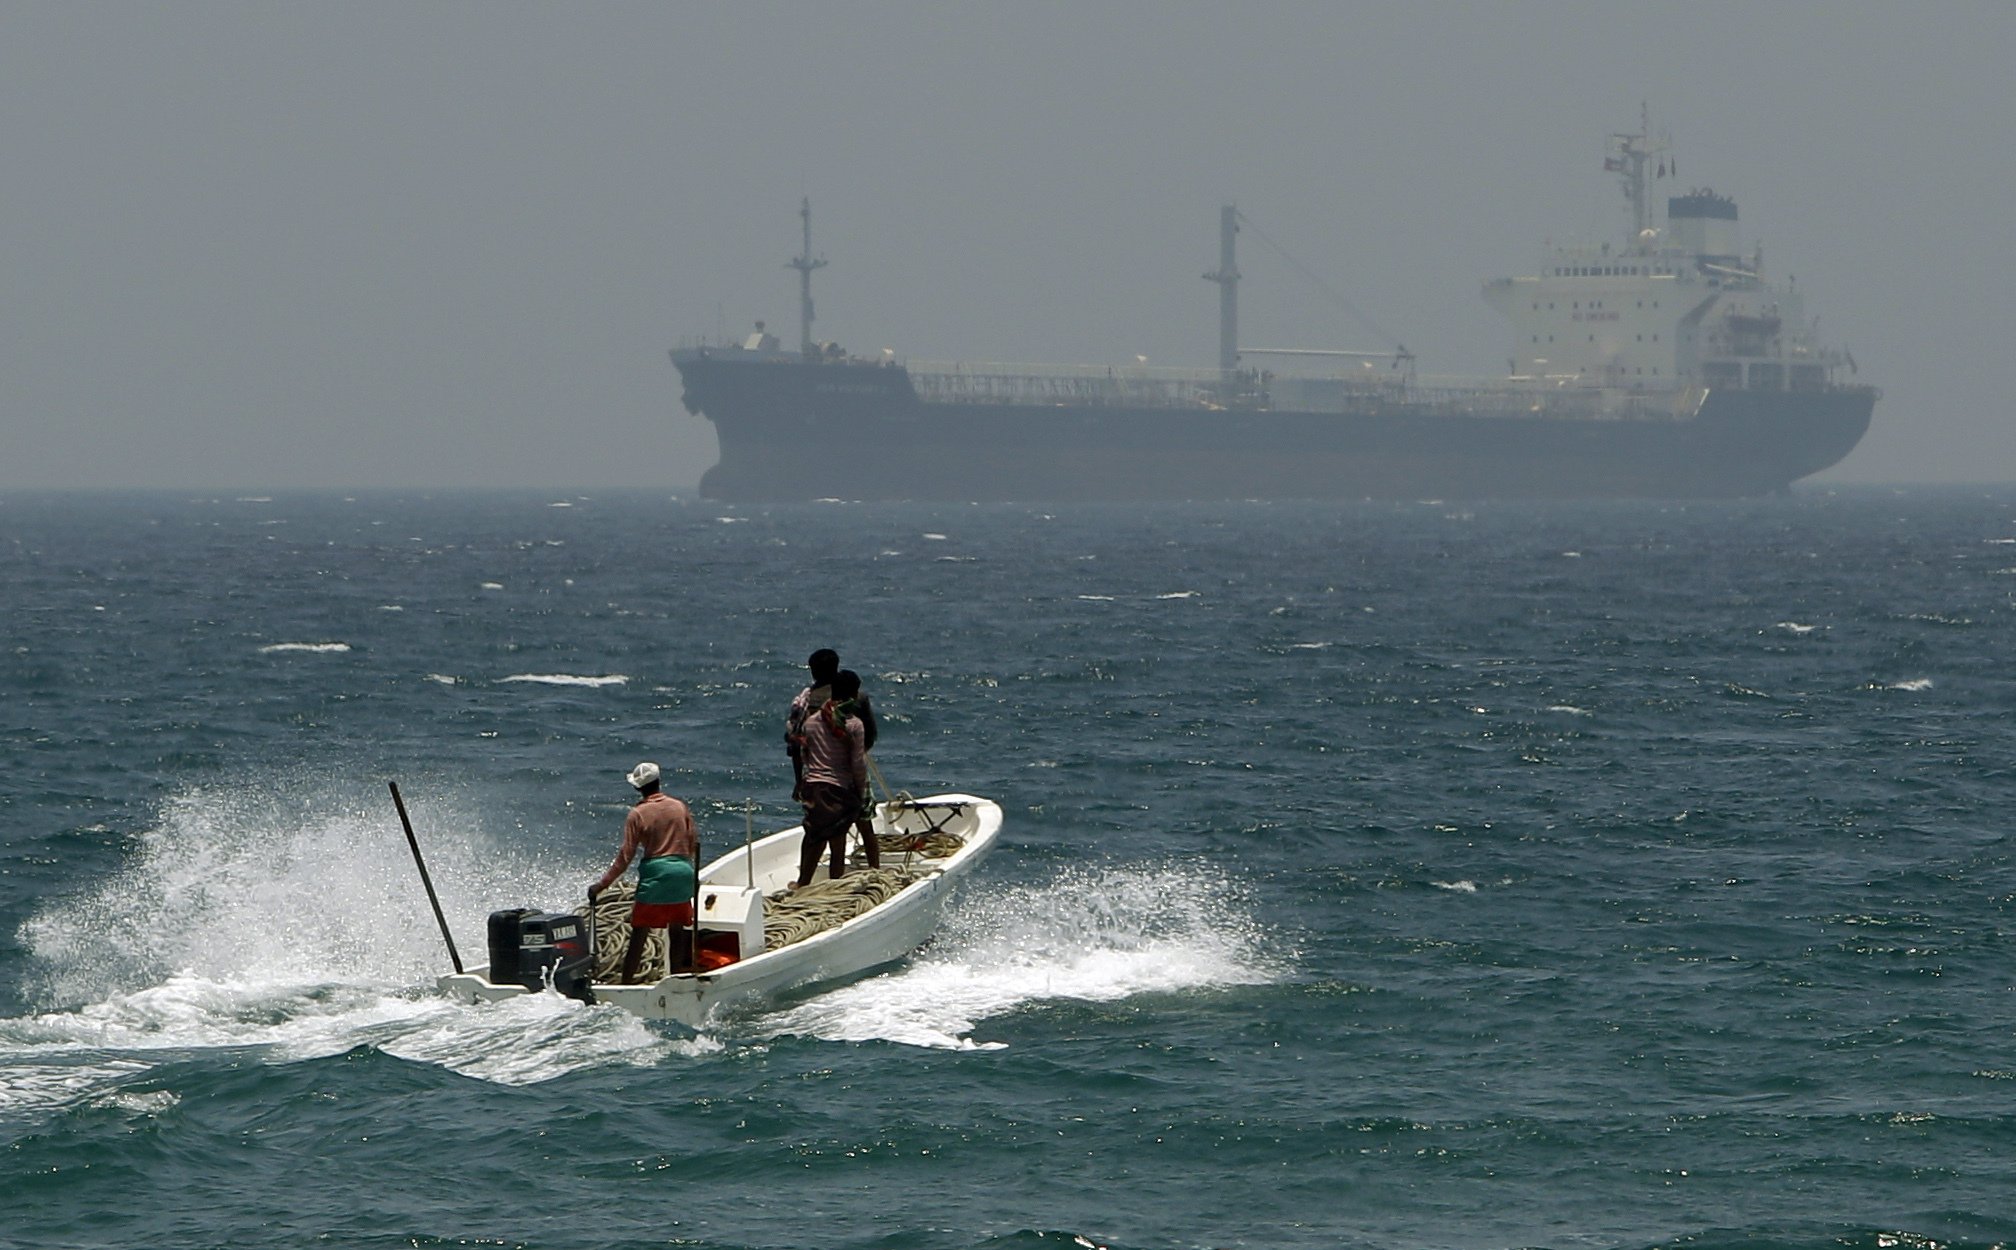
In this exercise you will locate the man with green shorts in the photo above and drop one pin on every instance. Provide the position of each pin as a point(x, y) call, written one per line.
point(660, 829)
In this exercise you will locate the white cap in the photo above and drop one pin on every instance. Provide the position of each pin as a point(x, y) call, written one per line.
point(644, 774)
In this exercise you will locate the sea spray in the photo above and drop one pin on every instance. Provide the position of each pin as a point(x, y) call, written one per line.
point(290, 921)
point(1090, 935)
point(283, 885)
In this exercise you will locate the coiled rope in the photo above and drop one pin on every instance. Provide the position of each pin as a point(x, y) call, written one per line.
point(788, 916)
point(611, 920)
point(796, 915)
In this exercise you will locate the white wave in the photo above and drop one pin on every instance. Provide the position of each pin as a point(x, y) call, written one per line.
point(27, 1089)
point(291, 928)
point(1308, 646)
point(492, 586)
point(391, 607)
point(1179, 594)
point(1568, 709)
point(936, 538)
point(313, 648)
point(566, 679)
point(1914, 683)
point(1456, 887)
point(1794, 627)
point(1097, 598)
point(523, 1041)
point(731, 520)
point(442, 678)
point(1089, 936)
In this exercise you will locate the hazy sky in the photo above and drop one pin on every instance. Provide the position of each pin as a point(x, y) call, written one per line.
point(283, 245)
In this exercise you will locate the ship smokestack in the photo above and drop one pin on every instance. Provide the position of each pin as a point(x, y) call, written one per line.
point(1703, 224)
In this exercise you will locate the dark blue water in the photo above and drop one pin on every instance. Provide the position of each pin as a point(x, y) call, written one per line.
point(1391, 876)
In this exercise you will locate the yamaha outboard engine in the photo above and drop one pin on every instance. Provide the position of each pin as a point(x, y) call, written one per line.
point(535, 949)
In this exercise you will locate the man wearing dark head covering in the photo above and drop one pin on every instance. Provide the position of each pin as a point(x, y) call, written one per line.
point(833, 757)
point(822, 665)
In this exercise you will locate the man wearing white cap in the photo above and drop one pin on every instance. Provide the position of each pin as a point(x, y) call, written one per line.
point(661, 829)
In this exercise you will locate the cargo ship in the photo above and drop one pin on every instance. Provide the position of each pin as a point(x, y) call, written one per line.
point(1661, 365)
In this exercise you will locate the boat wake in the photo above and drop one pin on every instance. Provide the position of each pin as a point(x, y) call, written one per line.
point(290, 925)
point(1092, 935)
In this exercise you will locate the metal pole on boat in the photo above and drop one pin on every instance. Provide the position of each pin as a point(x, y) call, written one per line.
point(421, 864)
point(749, 839)
point(888, 800)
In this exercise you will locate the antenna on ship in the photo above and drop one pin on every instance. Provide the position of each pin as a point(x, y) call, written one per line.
point(1633, 161)
point(1227, 278)
point(805, 263)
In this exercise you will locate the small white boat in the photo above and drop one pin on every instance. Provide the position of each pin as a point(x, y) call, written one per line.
point(738, 889)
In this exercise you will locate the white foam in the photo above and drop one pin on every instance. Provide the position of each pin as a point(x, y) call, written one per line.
point(292, 927)
point(313, 648)
point(1456, 887)
point(1794, 627)
point(566, 679)
point(1914, 683)
point(1097, 598)
point(30, 1088)
point(1568, 709)
point(1089, 936)
point(1179, 594)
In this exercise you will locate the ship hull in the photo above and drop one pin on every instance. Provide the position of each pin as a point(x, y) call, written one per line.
point(795, 431)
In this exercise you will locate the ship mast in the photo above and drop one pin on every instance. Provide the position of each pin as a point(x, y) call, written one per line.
point(1227, 278)
point(805, 263)
point(1632, 164)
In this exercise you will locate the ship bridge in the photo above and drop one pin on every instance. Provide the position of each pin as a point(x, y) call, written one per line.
point(1674, 304)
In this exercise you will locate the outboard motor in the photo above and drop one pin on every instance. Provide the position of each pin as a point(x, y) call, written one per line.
point(533, 948)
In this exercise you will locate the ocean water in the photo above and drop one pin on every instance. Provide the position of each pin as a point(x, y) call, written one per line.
point(1605, 875)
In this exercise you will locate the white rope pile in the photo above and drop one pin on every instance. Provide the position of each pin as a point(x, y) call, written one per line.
point(792, 916)
point(611, 920)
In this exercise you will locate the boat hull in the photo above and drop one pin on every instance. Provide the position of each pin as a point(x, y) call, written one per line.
point(789, 430)
point(881, 936)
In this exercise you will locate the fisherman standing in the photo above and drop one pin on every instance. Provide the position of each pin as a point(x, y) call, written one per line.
point(833, 759)
point(822, 665)
point(660, 828)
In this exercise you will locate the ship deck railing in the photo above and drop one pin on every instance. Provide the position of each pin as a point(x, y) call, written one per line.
point(1343, 393)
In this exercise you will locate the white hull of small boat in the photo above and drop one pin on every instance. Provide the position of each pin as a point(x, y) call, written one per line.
point(881, 935)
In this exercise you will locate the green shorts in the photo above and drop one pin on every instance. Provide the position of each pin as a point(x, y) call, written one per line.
point(665, 879)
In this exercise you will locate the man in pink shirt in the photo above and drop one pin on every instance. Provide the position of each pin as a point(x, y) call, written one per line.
point(834, 755)
point(660, 829)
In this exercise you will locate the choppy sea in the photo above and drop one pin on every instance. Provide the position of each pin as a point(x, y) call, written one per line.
point(1600, 875)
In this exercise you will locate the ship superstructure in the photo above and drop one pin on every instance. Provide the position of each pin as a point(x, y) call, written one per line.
point(1663, 366)
point(1677, 303)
